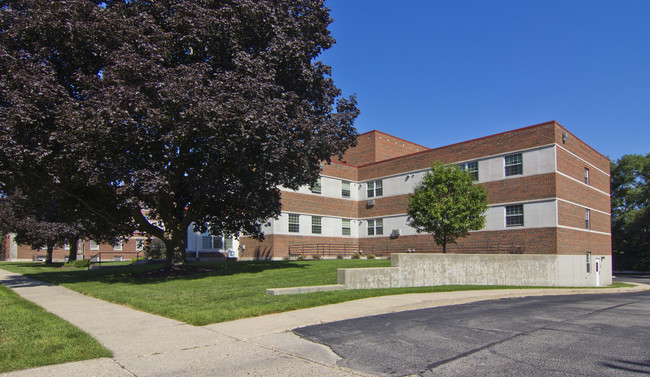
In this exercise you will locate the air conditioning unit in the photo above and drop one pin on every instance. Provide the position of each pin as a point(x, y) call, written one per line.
point(395, 233)
point(370, 203)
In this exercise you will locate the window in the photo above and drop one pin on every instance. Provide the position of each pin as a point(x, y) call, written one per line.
point(117, 246)
point(211, 242)
point(345, 228)
point(514, 164)
point(139, 245)
point(316, 227)
point(588, 262)
point(587, 219)
point(345, 189)
point(471, 167)
point(586, 176)
point(94, 245)
point(316, 187)
point(375, 227)
point(375, 188)
point(294, 223)
point(515, 215)
point(227, 243)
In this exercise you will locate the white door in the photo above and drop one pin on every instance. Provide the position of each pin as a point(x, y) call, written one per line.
point(598, 272)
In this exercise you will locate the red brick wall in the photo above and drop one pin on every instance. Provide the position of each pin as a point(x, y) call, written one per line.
point(575, 242)
point(574, 216)
point(575, 168)
point(317, 204)
point(278, 245)
point(521, 189)
point(340, 170)
point(533, 241)
point(376, 146)
point(387, 146)
point(497, 144)
point(363, 153)
point(580, 194)
point(577, 146)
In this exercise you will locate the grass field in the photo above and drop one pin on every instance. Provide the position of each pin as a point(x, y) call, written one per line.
point(226, 291)
point(31, 337)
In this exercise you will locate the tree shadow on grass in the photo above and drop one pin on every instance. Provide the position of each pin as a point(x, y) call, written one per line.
point(149, 273)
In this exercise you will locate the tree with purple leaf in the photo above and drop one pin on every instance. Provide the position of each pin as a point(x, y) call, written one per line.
point(195, 111)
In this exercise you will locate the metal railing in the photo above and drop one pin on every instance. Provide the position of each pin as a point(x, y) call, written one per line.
point(384, 250)
point(112, 257)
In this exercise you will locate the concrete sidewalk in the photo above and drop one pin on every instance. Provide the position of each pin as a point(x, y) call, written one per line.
point(149, 345)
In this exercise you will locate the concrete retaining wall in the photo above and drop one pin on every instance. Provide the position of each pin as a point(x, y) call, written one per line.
point(419, 270)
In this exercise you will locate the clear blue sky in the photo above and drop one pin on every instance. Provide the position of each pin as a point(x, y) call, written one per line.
point(439, 72)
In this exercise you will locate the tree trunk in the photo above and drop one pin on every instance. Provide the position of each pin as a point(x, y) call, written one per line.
point(50, 251)
point(444, 248)
point(175, 245)
point(74, 245)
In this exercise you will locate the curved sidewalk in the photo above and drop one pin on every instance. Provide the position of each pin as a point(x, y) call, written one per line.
point(145, 344)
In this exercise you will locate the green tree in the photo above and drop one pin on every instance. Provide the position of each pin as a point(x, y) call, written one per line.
point(175, 112)
point(630, 189)
point(447, 204)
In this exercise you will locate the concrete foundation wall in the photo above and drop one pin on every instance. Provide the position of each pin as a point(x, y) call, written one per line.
point(419, 270)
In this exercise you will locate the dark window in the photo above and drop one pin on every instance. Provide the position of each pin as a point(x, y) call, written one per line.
point(514, 164)
point(471, 167)
point(316, 187)
point(345, 189)
point(586, 176)
point(515, 215)
point(587, 216)
point(316, 227)
point(375, 188)
point(375, 227)
point(294, 223)
point(345, 229)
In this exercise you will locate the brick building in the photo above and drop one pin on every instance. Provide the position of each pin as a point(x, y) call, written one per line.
point(548, 193)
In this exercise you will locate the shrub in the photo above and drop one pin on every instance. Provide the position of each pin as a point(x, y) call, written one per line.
point(315, 257)
point(371, 256)
point(301, 257)
point(286, 258)
point(356, 256)
point(81, 263)
point(340, 256)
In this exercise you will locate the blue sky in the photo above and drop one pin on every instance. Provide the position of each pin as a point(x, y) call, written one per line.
point(440, 72)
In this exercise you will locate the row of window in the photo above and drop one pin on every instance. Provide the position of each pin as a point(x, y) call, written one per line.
point(317, 188)
point(94, 245)
point(514, 165)
point(375, 188)
point(515, 216)
point(216, 243)
point(375, 226)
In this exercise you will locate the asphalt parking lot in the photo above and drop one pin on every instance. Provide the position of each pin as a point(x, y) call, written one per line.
point(580, 335)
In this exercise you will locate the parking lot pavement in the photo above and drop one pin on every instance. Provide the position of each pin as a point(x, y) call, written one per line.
point(581, 335)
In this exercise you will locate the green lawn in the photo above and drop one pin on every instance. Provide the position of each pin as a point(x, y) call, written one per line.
point(228, 291)
point(31, 337)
